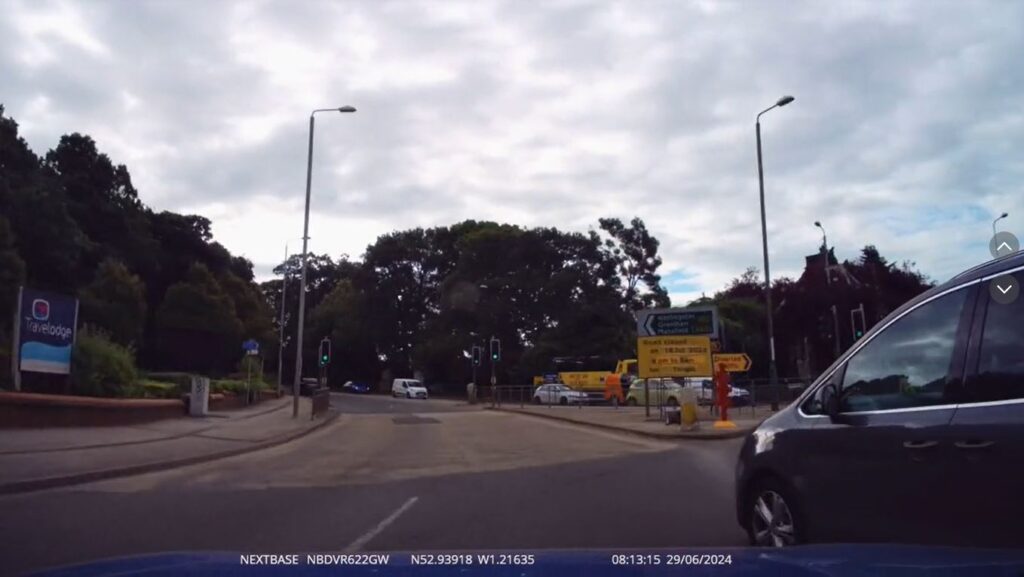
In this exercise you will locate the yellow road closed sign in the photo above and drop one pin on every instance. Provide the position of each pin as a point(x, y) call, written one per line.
point(734, 362)
point(668, 356)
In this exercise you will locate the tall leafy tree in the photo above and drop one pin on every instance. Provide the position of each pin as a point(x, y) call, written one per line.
point(115, 301)
point(197, 325)
point(635, 251)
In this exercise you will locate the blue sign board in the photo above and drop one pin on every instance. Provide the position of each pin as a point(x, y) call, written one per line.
point(46, 331)
point(250, 345)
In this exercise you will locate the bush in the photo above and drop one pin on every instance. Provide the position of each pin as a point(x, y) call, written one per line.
point(101, 367)
point(150, 389)
point(182, 380)
point(236, 387)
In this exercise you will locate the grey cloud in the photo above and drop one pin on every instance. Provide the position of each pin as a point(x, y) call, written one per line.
point(908, 120)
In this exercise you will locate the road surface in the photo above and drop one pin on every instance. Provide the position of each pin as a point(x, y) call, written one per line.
point(396, 475)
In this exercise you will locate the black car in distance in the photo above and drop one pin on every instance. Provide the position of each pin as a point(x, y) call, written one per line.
point(914, 435)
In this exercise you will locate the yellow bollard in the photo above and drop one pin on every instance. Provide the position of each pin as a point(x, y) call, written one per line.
point(688, 408)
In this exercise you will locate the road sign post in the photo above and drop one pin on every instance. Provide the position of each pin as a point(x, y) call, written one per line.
point(733, 362)
point(674, 342)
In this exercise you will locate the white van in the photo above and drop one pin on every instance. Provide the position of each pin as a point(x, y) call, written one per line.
point(408, 388)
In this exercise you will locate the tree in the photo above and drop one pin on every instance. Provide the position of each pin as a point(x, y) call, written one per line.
point(342, 317)
point(252, 310)
point(12, 275)
point(116, 302)
point(197, 325)
point(635, 251)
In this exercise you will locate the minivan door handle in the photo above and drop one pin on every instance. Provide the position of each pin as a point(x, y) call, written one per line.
point(919, 444)
point(973, 444)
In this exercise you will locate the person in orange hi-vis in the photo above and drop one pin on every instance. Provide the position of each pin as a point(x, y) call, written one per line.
point(722, 391)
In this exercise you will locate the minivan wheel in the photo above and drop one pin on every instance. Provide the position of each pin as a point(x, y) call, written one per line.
point(563, 401)
point(671, 402)
point(536, 400)
point(631, 402)
point(774, 521)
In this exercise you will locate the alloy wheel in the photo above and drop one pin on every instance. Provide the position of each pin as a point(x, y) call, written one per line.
point(772, 521)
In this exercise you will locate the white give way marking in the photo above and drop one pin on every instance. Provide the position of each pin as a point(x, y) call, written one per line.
point(366, 537)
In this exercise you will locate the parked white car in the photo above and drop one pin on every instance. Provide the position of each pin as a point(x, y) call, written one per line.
point(705, 391)
point(558, 394)
point(408, 388)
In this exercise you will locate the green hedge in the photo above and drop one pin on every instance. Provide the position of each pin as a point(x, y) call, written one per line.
point(236, 386)
point(101, 367)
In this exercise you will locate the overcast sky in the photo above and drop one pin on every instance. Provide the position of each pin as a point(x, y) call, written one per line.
point(907, 130)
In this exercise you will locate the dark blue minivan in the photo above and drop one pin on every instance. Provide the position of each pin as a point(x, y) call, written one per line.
point(914, 435)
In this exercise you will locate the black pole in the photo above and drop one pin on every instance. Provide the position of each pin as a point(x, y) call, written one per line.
point(773, 375)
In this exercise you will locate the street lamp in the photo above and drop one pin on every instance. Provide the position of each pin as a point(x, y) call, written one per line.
point(824, 249)
point(828, 282)
point(280, 338)
point(773, 376)
point(1001, 217)
point(305, 255)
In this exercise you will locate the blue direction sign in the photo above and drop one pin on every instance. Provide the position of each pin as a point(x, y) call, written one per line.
point(686, 322)
point(251, 346)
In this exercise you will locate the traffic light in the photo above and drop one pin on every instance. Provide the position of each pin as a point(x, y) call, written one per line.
point(325, 352)
point(477, 353)
point(495, 350)
point(858, 322)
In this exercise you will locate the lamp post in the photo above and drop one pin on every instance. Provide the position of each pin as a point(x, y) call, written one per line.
point(773, 376)
point(824, 250)
point(305, 255)
point(1001, 217)
point(828, 283)
point(280, 338)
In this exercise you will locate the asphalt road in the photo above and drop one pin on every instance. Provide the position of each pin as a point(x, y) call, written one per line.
point(396, 475)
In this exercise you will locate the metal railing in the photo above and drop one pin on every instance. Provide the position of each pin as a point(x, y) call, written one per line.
point(761, 394)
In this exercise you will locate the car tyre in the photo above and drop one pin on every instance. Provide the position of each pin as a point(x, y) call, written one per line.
point(563, 401)
point(672, 402)
point(773, 515)
point(408, 395)
point(631, 402)
point(536, 400)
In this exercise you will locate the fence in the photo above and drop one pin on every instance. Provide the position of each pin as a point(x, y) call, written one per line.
point(761, 394)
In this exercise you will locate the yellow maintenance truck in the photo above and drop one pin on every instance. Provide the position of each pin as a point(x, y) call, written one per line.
point(587, 375)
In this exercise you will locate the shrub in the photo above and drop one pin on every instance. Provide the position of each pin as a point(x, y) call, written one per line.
point(182, 380)
point(149, 389)
point(101, 367)
point(236, 387)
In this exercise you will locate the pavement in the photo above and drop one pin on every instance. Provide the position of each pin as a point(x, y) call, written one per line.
point(633, 420)
point(34, 459)
point(396, 475)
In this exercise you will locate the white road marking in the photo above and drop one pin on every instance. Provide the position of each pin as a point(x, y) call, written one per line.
point(366, 537)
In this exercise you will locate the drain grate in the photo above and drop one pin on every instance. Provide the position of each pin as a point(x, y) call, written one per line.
point(414, 420)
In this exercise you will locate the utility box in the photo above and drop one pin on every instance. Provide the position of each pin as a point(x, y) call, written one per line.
point(199, 400)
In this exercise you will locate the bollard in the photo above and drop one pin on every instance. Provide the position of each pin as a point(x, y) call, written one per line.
point(688, 410)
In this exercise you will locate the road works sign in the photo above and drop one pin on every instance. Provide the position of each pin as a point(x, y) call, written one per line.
point(734, 362)
point(689, 322)
point(673, 356)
